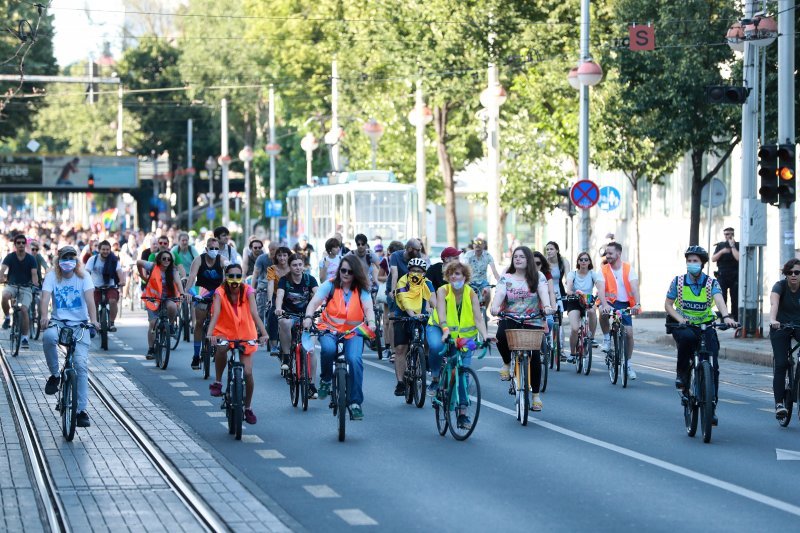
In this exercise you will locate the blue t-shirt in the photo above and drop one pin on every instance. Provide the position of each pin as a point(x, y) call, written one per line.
point(326, 290)
point(397, 259)
point(696, 287)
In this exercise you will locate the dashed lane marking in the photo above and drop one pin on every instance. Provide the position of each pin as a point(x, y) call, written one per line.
point(294, 471)
point(321, 491)
point(189, 393)
point(168, 377)
point(656, 383)
point(202, 403)
point(179, 385)
point(252, 439)
point(270, 454)
point(355, 517)
point(215, 414)
point(734, 402)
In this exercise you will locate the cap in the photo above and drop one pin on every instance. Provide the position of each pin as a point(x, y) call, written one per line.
point(378, 248)
point(450, 252)
point(66, 250)
point(303, 237)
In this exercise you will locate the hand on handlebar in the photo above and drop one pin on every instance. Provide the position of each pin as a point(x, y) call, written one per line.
point(774, 324)
point(636, 309)
point(262, 340)
point(307, 322)
point(732, 323)
point(212, 339)
point(278, 313)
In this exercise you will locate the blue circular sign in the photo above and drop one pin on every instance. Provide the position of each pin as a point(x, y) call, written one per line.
point(584, 194)
point(609, 198)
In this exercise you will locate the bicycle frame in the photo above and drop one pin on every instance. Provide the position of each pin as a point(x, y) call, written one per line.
point(233, 399)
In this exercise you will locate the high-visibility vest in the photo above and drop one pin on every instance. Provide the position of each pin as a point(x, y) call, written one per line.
point(697, 309)
point(463, 325)
point(339, 316)
point(611, 283)
point(235, 320)
point(153, 289)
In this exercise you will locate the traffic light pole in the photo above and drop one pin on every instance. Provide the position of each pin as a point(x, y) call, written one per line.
point(786, 126)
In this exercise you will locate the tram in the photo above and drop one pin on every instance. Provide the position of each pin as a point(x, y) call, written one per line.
point(365, 201)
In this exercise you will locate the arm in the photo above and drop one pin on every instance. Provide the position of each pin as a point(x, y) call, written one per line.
point(569, 285)
point(312, 306)
point(369, 312)
point(735, 251)
point(245, 261)
point(279, 302)
point(34, 277)
point(193, 272)
point(499, 298)
point(44, 307)
point(719, 253)
point(543, 290)
point(251, 298)
point(669, 307)
point(91, 307)
point(726, 317)
point(394, 281)
point(774, 302)
point(382, 276)
point(494, 271)
point(551, 290)
point(215, 307)
point(635, 292)
point(270, 290)
point(600, 283)
point(476, 316)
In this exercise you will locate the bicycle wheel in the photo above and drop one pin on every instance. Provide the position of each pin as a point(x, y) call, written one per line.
point(186, 315)
point(788, 403)
point(623, 357)
point(302, 371)
point(341, 379)
point(468, 404)
point(612, 360)
point(238, 401)
point(228, 402)
point(176, 332)
point(408, 378)
point(103, 315)
point(796, 387)
point(547, 347)
point(579, 354)
point(557, 345)
point(706, 399)
point(69, 404)
point(440, 403)
point(291, 377)
point(587, 355)
point(207, 352)
point(16, 333)
point(420, 378)
point(164, 349)
point(523, 390)
point(36, 327)
point(690, 405)
point(545, 372)
point(379, 342)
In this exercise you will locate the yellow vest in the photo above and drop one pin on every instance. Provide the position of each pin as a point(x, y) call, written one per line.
point(463, 326)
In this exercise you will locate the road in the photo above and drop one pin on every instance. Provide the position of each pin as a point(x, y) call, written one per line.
point(598, 456)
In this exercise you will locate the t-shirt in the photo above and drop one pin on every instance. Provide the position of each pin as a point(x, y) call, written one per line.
point(436, 275)
point(727, 264)
point(326, 290)
point(95, 267)
point(397, 259)
point(263, 262)
point(368, 262)
point(330, 265)
point(585, 284)
point(519, 298)
point(789, 303)
point(68, 296)
point(184, 258)
point(622, 292)
point(19, 272)
point(296, 295)
point(479, 266)
point(229, 253)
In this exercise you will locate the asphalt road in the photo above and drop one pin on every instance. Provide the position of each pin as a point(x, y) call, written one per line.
point(598, 457)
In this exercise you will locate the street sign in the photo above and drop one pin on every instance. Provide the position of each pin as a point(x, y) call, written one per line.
point(642, 38)
point(609, 198)
point(273, 209)
point(718, 193)
point(585, 194)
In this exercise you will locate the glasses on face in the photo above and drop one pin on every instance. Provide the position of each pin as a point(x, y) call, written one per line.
point(34, 249)
point(18, 243)
point(163, 243)
point(167, 259)
point(256, 248)
point(233, 276)
point(360, 244)
point(583, 260)
point(794, 272)
point(213, 249)
point(345, 271)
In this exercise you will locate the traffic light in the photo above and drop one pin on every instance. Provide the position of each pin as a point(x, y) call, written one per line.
point(786, 175)
point(567, 204)
point(726, 94)
point(768, 171)
point(90, 181)
point(153, 214)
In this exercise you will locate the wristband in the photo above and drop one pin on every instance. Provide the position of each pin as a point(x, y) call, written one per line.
point(726, 316)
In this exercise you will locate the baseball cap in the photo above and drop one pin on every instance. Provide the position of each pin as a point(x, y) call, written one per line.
point(378, 247)
point(450, 252)
point(67, 250)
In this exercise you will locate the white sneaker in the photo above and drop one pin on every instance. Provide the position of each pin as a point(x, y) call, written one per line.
point(631, 372)
point(606, 345)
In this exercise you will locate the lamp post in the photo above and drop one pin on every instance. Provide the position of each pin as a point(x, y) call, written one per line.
point(332, 139)
point(309, 143)
point(491, 99)
point(374, 131)
point(246, 155)
point(211, 167)
point(272, 149)
point(419, 117)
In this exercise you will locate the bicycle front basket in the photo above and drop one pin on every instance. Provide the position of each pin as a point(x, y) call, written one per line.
point(65, 336)
point(524, 339)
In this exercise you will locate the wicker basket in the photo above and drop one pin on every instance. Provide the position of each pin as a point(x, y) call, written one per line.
point(524, 339)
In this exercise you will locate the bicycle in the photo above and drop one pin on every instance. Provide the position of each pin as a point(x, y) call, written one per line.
point(377, 344)
point(186, 321)
point(618, 356)
point(790, 395)
point(233, 398)
point(583, 348)
point(299, 377)
point(207, 351)
point(459, 394)
point(15, 335)
point(415, 377)
point(33, 312)
point(479, 292)
point(104, 315)
point(523, 343)
point(555, 340)
point(161, 342)
point(700, 394)
point(67, 400)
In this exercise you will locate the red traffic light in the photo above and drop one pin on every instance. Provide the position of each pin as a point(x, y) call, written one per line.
point(90, 182)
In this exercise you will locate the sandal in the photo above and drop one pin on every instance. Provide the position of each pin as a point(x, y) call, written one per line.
point(536, 406)
point(505, 374)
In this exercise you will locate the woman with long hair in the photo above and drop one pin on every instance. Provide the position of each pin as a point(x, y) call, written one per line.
point(558, 269)
point(348, 304)
point(278, 269)
point(234, 316)
point(163, 282)
point(582, 282)
point(522, 291)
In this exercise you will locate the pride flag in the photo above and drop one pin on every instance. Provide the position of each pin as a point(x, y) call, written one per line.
point(109, 216)
point(364, 331)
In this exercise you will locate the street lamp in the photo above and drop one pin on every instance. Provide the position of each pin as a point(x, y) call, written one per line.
point(211, 167)
point(332, 139)
point(491, 99)
point(419, 117)
point(272, 149)
point(309, 143)
point(374, 131)
point(246, 155)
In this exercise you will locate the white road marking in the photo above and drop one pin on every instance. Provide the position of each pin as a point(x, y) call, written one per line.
point(168, 377)
point(490, 369)
point(787, 455)
point(224, 424)
point(681, 471)
point(767, 410)
point(252, 439)
point(294, 471)
point(128, 348)
point(656, 383)
point(734, 402)
point(202, 403)
point(321, 491)
point(355, 517)
point(215, 414)
point(179, 385)
point(270, 454)
point(189, 393)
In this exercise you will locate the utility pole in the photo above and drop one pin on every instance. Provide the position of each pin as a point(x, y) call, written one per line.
point(786, 126)
point(422, 185)
point(225, 160)
point(120, 146)
point(189, 174)
point(334, 145)
point(583, 128)
point(272, 221)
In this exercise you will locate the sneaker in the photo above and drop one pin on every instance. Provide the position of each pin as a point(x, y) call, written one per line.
point(780, 410)
point(52, 385)
point(215, 389)
point(250, 416)
point(464, 422)
point(275, 352)
point(173, 329)
point(571, 358)
point(356, 413)
point(83, 420)
point(312, 392)
point(195, 362)
point(24, 344)
point(563, 358)
point(432, 387)
point(112, 328)
point(606, 345)
point(681, 381)
point(7, 323)
point(284, 362)
point(400, 389)
point(631, 372)
point(150, 355)
point(324, 390)
point(595, 344)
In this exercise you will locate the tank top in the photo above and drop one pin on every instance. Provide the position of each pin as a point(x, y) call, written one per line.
point(209, 277)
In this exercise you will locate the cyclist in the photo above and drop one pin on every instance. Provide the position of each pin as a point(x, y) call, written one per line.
point(163, 282)
point(106, 270)
point(279, 269)
point(368, 260)
point(162, 245)
point(690, 300)
point(41, 262)
point(413, 296)
point(73, 301)
point(329, 265)
point(544, 267)
point(234, 316)
point(436, 272)
point(226, 249)
point(558, 269)
point(622, 291)
point(522, 291)
point(18, 269)
point(348, 305)
point(582, 282)
point(784, 309)
point(207, 272)
point(295, 290)
point(459, 315)
point(383, 276)
point(479, 261)
point(255, 249)
point(304, 249)
point(184, 254)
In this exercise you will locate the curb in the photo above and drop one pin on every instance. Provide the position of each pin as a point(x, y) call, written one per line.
point(754, 356)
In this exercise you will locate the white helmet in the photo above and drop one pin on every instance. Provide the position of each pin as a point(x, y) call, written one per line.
point(419, 263)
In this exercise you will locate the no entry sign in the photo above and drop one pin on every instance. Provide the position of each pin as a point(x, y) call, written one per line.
point(585, 194)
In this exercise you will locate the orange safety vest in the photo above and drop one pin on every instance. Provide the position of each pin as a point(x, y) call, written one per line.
point(339, 316)
point(235, 322)
point(611, 283)
point(153, 289)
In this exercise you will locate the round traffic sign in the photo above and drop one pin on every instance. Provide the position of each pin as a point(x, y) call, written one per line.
point(584, 194)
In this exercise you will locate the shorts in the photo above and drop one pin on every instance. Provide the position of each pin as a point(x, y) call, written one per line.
point(571, 304)
point(111, 293)
point(626, 319)
point(152, 316)
point(402, 333)
point(478, 286)
point(25, 294)
point(381, 296)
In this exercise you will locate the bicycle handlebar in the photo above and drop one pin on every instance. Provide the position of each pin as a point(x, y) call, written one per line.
point(521, 318)
point(713, 325)
point(421, 317)
point(237, 342)
point(169, 299)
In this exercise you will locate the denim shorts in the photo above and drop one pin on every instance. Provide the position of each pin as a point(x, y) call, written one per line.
point(626, 319)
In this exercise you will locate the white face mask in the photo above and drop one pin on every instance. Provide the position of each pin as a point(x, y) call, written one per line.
point(458, 285)
point(213, 254)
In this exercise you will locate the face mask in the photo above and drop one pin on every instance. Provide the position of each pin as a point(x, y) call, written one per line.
point(694, 268)
point(416, 279)
point(458, 285)
point(213, 254)
point(68, 265)
point(234, 283)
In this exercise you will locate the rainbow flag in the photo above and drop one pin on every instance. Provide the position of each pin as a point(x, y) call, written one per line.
point(364, 331)
point(109, 216)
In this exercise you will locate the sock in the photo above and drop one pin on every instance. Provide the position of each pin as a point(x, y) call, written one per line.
point(197, 345)
point(25, 337)
point(606, 336)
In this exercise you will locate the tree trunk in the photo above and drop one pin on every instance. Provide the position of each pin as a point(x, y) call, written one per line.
point(697, 191)
point(446, 168)
point(635, 182)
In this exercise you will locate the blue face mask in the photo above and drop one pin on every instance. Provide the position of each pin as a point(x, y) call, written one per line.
point(458, 285)
point(694, 268)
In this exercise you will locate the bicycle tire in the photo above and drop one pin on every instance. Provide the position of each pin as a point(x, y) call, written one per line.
point(523, 391)
point(103, 328)
point(69, 405)
point(379, 342)
point(292, 378)
point(547, 347)
point(557, 345)
point(706, 400)
point(690, 406)
point(796, 387)
point(587, 355)
point(163, 346)
point(205, 354)
point(789, 404)
point(613, 362)
point(545, 373)
point(228, 402)
point(579, 354)
point(16, 332)
point(473, 388)
point(623, 358)
point(420, 378)
point(36, 326)
point(187, 321)
point(408, 377)
point(175, 338)
point(341, 378)
point(305, 380)
point(238, 401)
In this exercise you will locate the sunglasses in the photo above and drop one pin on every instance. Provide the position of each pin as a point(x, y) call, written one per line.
point(258, 248)
point(34, 249)
point(345, 271)
point(17, 243)
point(794, 272)
point(583, 260)
point(213, 248)
point(233, 276)
point(169, 259)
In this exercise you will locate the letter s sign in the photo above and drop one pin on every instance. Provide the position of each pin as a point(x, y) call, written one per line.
point(642, 38)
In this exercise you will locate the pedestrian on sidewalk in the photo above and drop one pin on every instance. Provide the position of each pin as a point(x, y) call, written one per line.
point(726, 256)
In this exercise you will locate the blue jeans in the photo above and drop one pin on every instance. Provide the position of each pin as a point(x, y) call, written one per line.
point(434, 336)
point(353, 349)
point(80, 360)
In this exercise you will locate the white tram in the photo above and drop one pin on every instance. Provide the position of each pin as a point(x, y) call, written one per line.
point(366, 201)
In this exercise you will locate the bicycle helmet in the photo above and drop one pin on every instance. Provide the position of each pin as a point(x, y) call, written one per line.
point(699, 251)
point(419, 263)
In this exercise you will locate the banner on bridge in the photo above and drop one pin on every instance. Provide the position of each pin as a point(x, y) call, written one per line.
point(68, 172)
